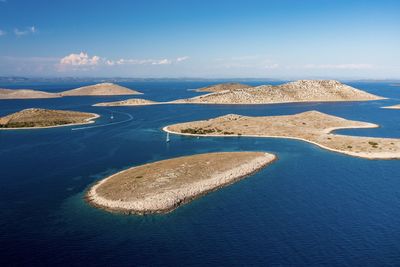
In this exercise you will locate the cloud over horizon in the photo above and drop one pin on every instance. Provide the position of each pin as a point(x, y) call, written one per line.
point(83, 59)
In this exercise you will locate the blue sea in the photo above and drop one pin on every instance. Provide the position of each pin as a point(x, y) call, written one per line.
point(312, 207)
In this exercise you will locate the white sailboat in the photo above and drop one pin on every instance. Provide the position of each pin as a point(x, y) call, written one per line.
point(167, 138)
point(112, 116)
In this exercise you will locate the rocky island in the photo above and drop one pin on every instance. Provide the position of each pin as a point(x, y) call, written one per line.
point(162, 186)
point(45, 118)
point(312, 126)
point(222, 87)
point(298, 91)
point(101, 89)
point(25, 94)
point(128, 102)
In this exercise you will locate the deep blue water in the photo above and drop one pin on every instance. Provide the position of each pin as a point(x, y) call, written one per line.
point(311, 207)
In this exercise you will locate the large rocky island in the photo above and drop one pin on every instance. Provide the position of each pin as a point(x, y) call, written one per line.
point(164, 185)
point(312, 126)
point(101, 89)
point(298, 91)
point(45, 118)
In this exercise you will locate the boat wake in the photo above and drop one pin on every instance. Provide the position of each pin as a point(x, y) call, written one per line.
point(130, 117)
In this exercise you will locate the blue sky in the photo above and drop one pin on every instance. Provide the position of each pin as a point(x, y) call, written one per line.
point(201, 38)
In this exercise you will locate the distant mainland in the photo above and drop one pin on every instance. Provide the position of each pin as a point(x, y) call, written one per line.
point(101, 89)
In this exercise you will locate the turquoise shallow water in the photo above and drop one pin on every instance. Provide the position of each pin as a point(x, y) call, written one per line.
point(311, 207)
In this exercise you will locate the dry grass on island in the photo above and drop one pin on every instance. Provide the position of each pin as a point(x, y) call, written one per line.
point(312, 126)
point(45, 118)
point(101, 89)
point(299, 91)
point(393, 107)
point(222, 87)
point(162, 186)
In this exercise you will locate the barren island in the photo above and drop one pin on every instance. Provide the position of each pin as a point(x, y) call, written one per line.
point(162, 186)
point(45, 118)
point(311, 126)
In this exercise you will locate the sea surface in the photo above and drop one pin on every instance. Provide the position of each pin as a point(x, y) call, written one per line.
point(312, 207)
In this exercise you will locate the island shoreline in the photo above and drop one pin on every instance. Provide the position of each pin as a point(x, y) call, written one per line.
point(93, 200)
point(330, 130)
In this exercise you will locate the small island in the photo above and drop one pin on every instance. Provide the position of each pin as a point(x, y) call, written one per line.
point(128, 102)
point(222, 87)
point(312, 126)
point(393, 107)
point(298, 91)
point(33, 118)
point(101, 89)
point(25, 94)
point(162, 186)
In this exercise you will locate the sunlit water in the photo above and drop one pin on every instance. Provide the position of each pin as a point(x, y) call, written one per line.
point(311, 207)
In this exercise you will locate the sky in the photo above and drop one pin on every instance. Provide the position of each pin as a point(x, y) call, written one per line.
point(285, 39)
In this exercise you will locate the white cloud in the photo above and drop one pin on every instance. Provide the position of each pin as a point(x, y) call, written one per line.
point(180, 59)
point(161, 62)
point(27, 30)
point(81, 59)
point(128, 61)
point(2, 33)
point(339, 66)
